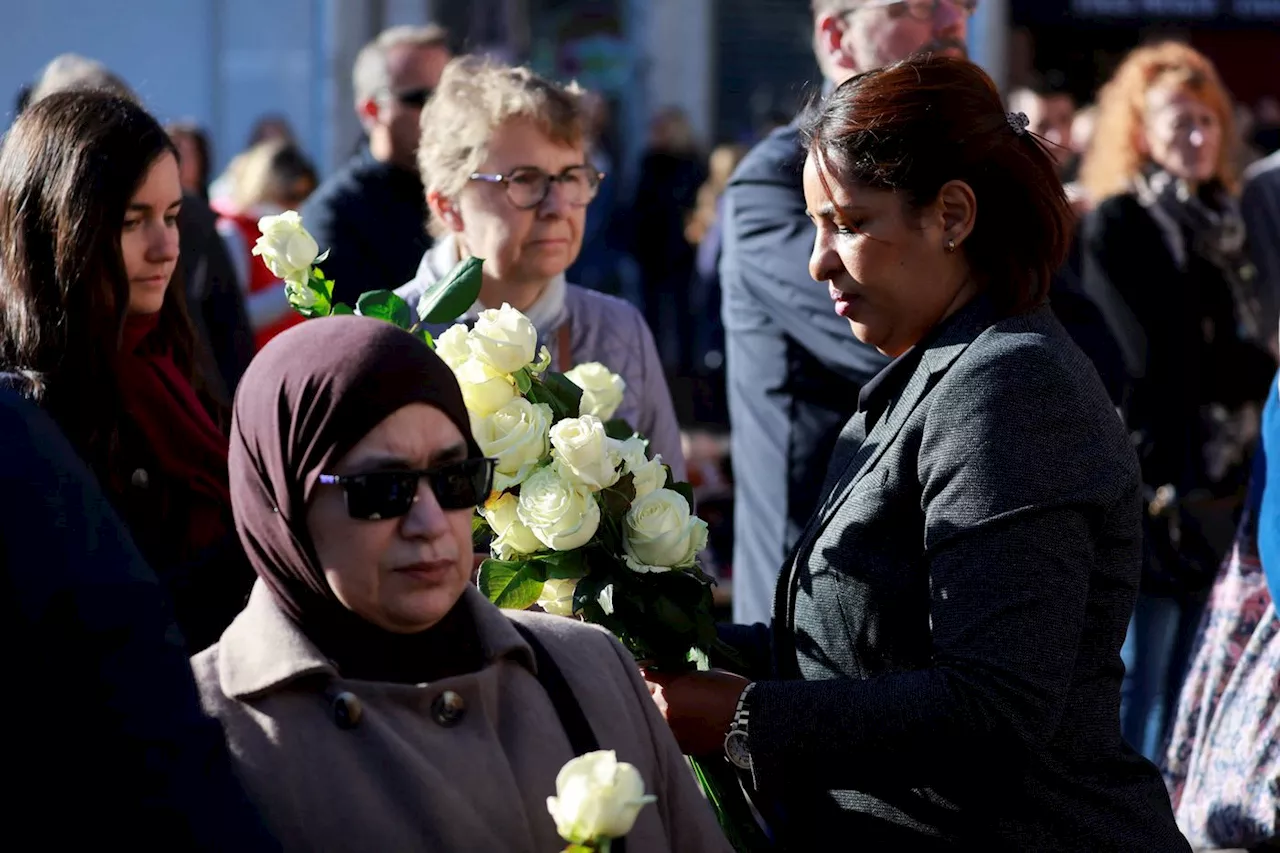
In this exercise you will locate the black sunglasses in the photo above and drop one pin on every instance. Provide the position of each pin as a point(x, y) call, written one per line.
point(379, 495)
point(414, 97)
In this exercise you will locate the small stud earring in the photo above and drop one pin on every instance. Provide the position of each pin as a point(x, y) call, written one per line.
point(951, 245)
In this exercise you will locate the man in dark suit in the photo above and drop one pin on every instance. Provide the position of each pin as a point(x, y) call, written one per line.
point(794, 372)
point(371, 214)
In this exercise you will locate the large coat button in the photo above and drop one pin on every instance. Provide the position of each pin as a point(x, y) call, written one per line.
point(346, 710)
point(140, 478)
point(448, 708)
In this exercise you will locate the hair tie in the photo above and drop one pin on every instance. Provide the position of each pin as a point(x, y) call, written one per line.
point(1019, 122)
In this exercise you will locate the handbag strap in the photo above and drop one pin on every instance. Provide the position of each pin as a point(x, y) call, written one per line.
point(581, 736)
point(564, 349)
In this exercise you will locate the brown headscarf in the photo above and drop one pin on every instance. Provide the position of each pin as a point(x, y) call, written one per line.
point(309, 396)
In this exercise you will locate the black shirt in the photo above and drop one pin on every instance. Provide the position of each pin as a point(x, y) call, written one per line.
point(371, 217)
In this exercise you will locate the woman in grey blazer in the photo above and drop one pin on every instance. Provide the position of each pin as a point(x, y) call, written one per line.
point(943, 667)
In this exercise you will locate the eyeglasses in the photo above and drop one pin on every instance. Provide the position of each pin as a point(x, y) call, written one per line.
point(528, 186)
point(413, 97)
point(389, 494)
point(922, 10)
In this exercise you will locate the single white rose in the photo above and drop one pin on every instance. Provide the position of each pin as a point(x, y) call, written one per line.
point(515, 435)
point(557, 596)
point(648, 475)
point(597, 797)
point(601, 390)
point(511, 538)
point(585, 452)
point(563, 515)
point(484, 390)
point(605, 599)
point(452, 346)
point(286, 247)
point(659, 533)
point(503, 338)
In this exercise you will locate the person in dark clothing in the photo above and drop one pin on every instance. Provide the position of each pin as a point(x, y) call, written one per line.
point(1165, 259)
point(945, 638)
point(117, 734)
point(93, 326)
point(371, 214)
point(792, 371)
point(671, 172)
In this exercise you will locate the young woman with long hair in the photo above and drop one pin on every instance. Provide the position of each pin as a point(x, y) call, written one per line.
point(94, 328)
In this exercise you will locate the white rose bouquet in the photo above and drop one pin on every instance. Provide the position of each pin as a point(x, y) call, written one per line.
point(581, 521)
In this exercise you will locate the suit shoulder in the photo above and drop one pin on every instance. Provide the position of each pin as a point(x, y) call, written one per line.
point(778, 158)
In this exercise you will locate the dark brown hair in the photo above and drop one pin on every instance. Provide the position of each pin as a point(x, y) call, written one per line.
point(68, 169)
point(911, 127)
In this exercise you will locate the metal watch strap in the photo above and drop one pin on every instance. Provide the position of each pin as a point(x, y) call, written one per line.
point(742, 714)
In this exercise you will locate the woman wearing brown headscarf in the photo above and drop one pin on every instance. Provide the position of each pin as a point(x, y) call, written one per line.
point(373, 698)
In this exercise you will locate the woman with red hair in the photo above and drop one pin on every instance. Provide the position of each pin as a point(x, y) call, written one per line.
point(1164, 256)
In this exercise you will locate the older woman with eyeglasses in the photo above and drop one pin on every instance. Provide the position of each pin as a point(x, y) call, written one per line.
point(504, 165)
point(372, 698)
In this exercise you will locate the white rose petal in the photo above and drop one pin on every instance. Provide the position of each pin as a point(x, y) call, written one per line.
point(648, 475)
point(511, 538)
point(659, 533)
point(602, 390)
point(515, 435)
point(452, 346)
point(484, 390)
point(597, 797)
point(504, 339)
point(605, 599)
point(585, 452)
point(557, 596)
point(286, 247)
point(563, 515)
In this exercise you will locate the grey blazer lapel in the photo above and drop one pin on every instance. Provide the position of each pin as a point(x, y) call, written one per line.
point(970, 322)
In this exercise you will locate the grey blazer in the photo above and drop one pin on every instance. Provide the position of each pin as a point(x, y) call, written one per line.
point(947, 632)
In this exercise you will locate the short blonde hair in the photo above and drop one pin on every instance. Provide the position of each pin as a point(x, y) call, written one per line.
point(1114, 159)
point(475, 97)
point(71, 72)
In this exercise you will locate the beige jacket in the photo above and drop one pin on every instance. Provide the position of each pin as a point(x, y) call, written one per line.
point(463, 764)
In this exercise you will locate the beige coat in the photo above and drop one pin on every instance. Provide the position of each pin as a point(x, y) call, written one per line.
point(420, 770)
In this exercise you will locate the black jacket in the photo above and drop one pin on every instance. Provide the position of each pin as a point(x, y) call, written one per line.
point(371, 217)
point(106, 744)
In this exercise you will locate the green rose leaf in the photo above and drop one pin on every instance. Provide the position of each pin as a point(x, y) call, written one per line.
point(481, 534)
point(385, 305)
point(616, 499)
point(684, 490)
point(558, 392)
point(451, 296)
point(342, 309)
point(618, 429)
point(523, 381)
point(426, 338)
point(510, 584)
point(564, 565)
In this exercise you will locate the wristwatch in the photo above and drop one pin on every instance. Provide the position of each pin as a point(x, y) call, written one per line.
point(735, 742)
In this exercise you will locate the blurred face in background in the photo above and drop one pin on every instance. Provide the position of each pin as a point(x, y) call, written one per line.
point(191, 165)
point(1182, 134)
point(1050, 117)
point(875, 33)
point(149, 235)
point(414, 72)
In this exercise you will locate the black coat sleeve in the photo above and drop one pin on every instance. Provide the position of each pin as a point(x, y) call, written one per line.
point(116, 747)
